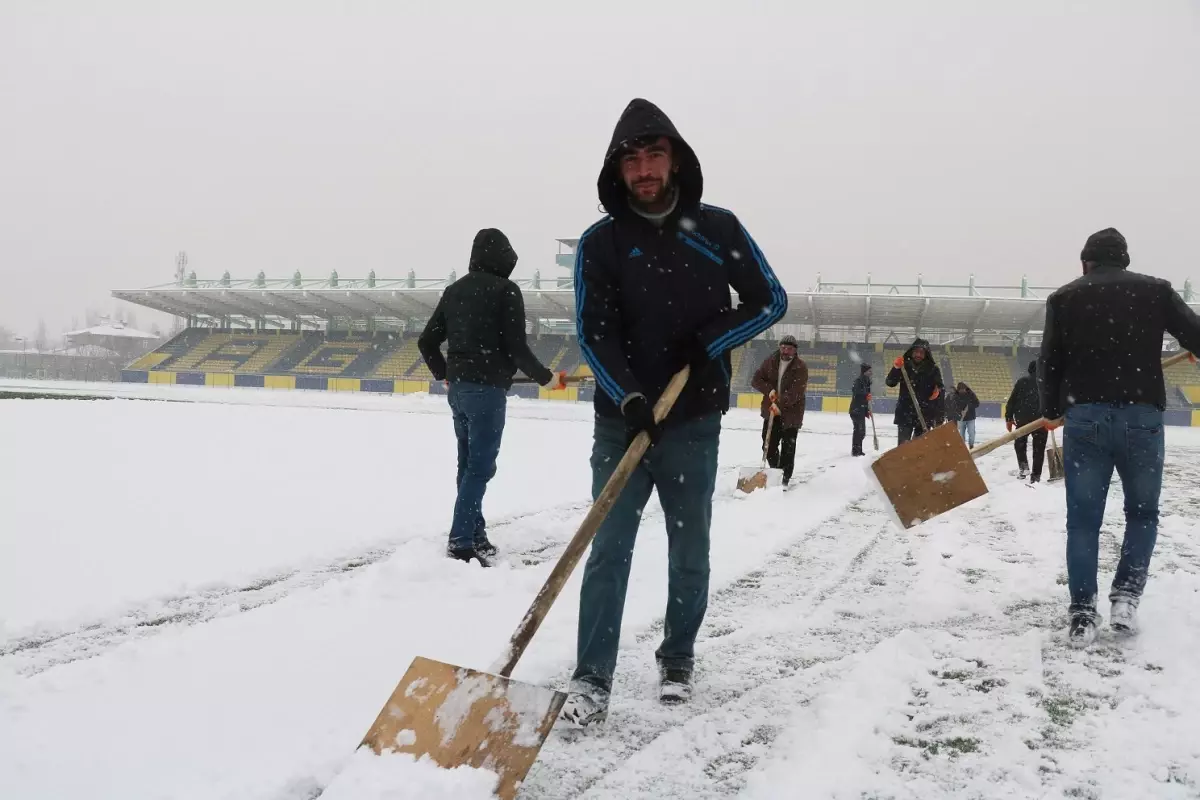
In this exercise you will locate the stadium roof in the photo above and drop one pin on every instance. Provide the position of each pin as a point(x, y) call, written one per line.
point(1005, 311)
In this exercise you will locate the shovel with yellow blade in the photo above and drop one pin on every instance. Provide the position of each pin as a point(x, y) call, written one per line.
point(459, 716)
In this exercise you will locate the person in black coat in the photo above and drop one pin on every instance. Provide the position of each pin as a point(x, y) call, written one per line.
point(1024, 406)
point(860, 409)
point(965, 404)
point(926, 378)
point(482, 318)
point(1102, 370)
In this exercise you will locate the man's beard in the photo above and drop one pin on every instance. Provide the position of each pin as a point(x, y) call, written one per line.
point(665, 188)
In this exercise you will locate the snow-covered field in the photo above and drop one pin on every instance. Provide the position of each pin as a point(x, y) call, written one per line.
point(214, 601)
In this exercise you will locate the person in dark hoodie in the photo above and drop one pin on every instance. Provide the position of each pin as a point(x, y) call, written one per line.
point(860, 409)
point(482, 317)
point(966, 404)
point(1101, 366)
point(926, 378)
point(652, 294)
point(1024, 406)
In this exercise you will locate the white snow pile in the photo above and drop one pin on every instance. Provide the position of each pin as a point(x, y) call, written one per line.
point(230, 623)
point(395, 776)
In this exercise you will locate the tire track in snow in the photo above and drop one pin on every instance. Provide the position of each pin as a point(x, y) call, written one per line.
point(746, 672)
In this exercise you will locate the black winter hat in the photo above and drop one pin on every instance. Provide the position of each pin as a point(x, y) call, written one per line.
point(865, 369)
point(788, 339)
point(1107, 247)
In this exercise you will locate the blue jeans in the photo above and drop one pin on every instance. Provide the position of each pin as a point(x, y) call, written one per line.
point(1098, 438)
point(966, 429)
point(683, 467)
point(478, 413)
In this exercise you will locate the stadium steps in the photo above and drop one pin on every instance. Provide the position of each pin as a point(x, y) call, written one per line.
point(822, 372)
point(269, 353)
point(988, 374)
point(199, 352)
point(309, 341)
point(736, 359)
point(397, 363)
point(179, 344)
point(382, 346)
point(558, 358)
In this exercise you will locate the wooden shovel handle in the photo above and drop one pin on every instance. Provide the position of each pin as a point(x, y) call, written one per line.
point(767, 438)
point(1025, 430)
point(587, 530)
point(913, 394)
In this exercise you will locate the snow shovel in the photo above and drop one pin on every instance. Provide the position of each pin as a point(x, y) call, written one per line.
point(464, 717)
point(874, 433)
point(936, 473)
point(760, 478)
point(1054, 461)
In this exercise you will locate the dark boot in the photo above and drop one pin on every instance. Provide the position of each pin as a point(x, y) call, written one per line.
point(674, 684)
point(468, 554)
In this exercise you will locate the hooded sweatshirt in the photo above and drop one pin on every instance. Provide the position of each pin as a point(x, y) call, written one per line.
point(482, 317)
point(1024, 404)
point(649, 293)
point(926, 377)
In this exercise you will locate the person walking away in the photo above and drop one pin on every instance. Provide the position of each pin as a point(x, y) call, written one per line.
point(1025, 406)
point(482, 318)
point(926, 378)
point(860, 409)
point(783, 381)
point(966, 405)
point(1101, 365)
point(652, 295)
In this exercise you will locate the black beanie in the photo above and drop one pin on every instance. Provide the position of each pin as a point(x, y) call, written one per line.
point(1107, 247)
point(865, 368)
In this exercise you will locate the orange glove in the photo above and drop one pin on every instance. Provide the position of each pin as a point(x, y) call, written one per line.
point(774, 410)
point(936, 393)
point(1053, 424)
point(868, 397)
point(559, 381)
point(1009, 423)
point(899, 362)
point(446, 384)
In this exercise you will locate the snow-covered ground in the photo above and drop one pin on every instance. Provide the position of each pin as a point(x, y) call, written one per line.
point(214, 601)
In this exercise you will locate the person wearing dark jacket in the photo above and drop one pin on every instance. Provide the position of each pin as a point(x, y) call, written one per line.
point(782, 379)
point(860, 409)
point(1101, 366)
point(1024, 406)
point(965, 405)
point(652, 294)
point(482, 318)
point(926, 379)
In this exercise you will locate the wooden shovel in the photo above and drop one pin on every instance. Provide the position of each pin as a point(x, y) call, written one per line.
point(751, 478)
point(1054, 461)
point(464, 717)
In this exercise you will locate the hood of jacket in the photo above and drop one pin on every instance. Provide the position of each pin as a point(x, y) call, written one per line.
point(642, 119)
point(1033, 368)
point(493, 253)
point(924, 345)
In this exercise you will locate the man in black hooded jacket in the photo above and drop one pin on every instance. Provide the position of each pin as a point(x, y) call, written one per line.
point(482, 317)
point(1101, 367)
point(652, 294)
point(1024, 406)
point(926, 378)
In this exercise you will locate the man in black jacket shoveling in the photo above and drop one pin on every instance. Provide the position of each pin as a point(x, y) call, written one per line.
point(482, 317)
point(652, 294)
point(1024, 406)
point(1101, 365)
point(860, 409)
point(926, 379)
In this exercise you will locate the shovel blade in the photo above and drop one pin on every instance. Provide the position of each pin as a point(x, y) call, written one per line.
point(1054, 461)
point(752, 478)
point(462, 717)
point(928, 476)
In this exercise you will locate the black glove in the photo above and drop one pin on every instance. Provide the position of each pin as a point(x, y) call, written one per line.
point(694, 354)
point(639, 416)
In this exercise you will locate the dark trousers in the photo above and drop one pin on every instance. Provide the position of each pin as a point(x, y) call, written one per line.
point(1039, 451)
point(478, 413)
point(908, 431)
point(781, 450)
point(860, 433)
point(1099, 438)
point(683, 467)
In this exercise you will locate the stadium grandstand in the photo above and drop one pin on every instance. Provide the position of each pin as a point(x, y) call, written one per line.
point(340, 334)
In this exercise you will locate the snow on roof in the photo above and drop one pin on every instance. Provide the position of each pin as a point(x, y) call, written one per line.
point(113, 329)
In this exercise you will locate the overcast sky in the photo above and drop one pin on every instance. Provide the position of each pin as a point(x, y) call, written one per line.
point(851, 138)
